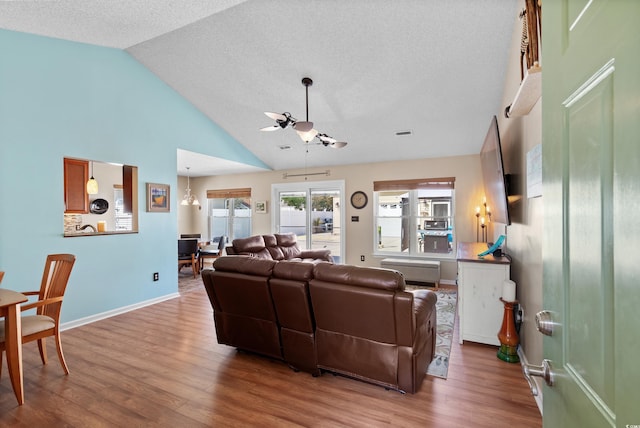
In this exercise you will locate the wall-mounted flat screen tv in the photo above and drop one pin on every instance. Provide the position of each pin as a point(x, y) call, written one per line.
point(494, 178)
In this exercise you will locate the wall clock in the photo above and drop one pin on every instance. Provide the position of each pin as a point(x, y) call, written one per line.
point(359, 199)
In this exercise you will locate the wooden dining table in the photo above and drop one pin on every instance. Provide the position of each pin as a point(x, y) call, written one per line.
point(10, 309)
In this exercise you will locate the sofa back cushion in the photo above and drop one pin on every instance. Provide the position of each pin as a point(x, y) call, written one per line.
point(253, 246)
point(271, 243)
point(243, 308)
point(360, 312)
point(368, 277)
point(288, 244)
point(243, 264)
point(354, 311)
point(290, 290)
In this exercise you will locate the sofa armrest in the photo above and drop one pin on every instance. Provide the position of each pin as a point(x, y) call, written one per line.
point(322, 254)
point(424, 303)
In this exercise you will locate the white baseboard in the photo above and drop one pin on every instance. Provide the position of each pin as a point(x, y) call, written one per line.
point(108, 314)
point(448, 282)
point(523, 361)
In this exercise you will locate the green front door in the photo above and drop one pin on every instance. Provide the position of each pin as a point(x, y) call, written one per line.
point(591, 176)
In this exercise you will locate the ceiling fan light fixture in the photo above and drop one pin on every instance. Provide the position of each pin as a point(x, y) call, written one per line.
point(303, 126)
point(308, 135)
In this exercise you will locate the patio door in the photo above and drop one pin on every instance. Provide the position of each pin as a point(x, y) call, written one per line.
point(314, 212)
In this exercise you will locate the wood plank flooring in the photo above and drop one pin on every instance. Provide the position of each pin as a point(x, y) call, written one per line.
point(161, 366)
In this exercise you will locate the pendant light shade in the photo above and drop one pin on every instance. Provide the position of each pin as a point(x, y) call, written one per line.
point(188, 198)
point(308, 136)
point(92, 184)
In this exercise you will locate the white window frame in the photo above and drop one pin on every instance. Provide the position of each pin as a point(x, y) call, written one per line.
point(414, 251)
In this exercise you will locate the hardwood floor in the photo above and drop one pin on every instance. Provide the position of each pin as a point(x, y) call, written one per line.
point(161, 366)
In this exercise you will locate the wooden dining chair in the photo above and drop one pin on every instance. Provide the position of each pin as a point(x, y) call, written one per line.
point(1, 275)
point(46, 321)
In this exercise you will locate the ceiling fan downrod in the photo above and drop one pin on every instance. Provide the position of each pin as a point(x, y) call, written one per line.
point(306, 81)
point(305, 129)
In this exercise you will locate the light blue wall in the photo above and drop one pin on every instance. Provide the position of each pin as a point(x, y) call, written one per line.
point(58, 99)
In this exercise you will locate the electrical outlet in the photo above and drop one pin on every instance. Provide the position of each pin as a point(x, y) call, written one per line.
point(519, 314)
point(362, 258)
point(156, 276)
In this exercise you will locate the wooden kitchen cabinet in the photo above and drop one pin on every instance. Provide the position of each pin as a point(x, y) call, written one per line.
point(76, 175)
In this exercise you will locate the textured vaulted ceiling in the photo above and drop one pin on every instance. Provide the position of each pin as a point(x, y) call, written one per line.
point(433, 67)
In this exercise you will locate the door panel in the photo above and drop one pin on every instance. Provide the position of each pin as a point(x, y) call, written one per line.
point(589, 289)
point(589, 308)
point(326, 230)
point(591, 171)
point(313, 211)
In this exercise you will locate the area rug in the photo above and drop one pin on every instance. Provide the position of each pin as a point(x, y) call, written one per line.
point(446, 316)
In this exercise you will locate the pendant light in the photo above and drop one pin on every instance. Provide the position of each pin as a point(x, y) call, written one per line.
point(92, 184)
point(189, 199)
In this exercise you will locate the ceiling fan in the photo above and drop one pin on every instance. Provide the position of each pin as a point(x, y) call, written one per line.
point(304, 128)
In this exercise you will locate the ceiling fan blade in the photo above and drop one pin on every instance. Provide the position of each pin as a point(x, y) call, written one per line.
point(275, 116)
point(271, 128)
point(337, 144)
point(303, 126)
point(326, 139)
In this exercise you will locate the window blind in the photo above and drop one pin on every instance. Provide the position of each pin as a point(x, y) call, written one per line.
point(229, 193)
point(412, 184)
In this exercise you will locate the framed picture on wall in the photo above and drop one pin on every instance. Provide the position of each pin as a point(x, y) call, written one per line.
point(158, 197)
point(261, 207)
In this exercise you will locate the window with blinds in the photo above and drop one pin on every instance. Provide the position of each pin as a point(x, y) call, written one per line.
point(229, 213)
point(123, 220)
point(414, 217)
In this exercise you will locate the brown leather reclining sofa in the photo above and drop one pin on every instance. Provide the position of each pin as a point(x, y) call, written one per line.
point(276, 247)
point(355, 321)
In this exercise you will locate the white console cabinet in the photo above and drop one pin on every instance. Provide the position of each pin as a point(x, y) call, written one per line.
point(480, 281)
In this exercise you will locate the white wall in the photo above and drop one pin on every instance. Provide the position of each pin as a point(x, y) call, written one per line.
point(359, 236)
point(524, 236)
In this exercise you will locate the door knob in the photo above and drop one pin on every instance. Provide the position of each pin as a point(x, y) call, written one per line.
point(544, 371)
point(544, 323)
